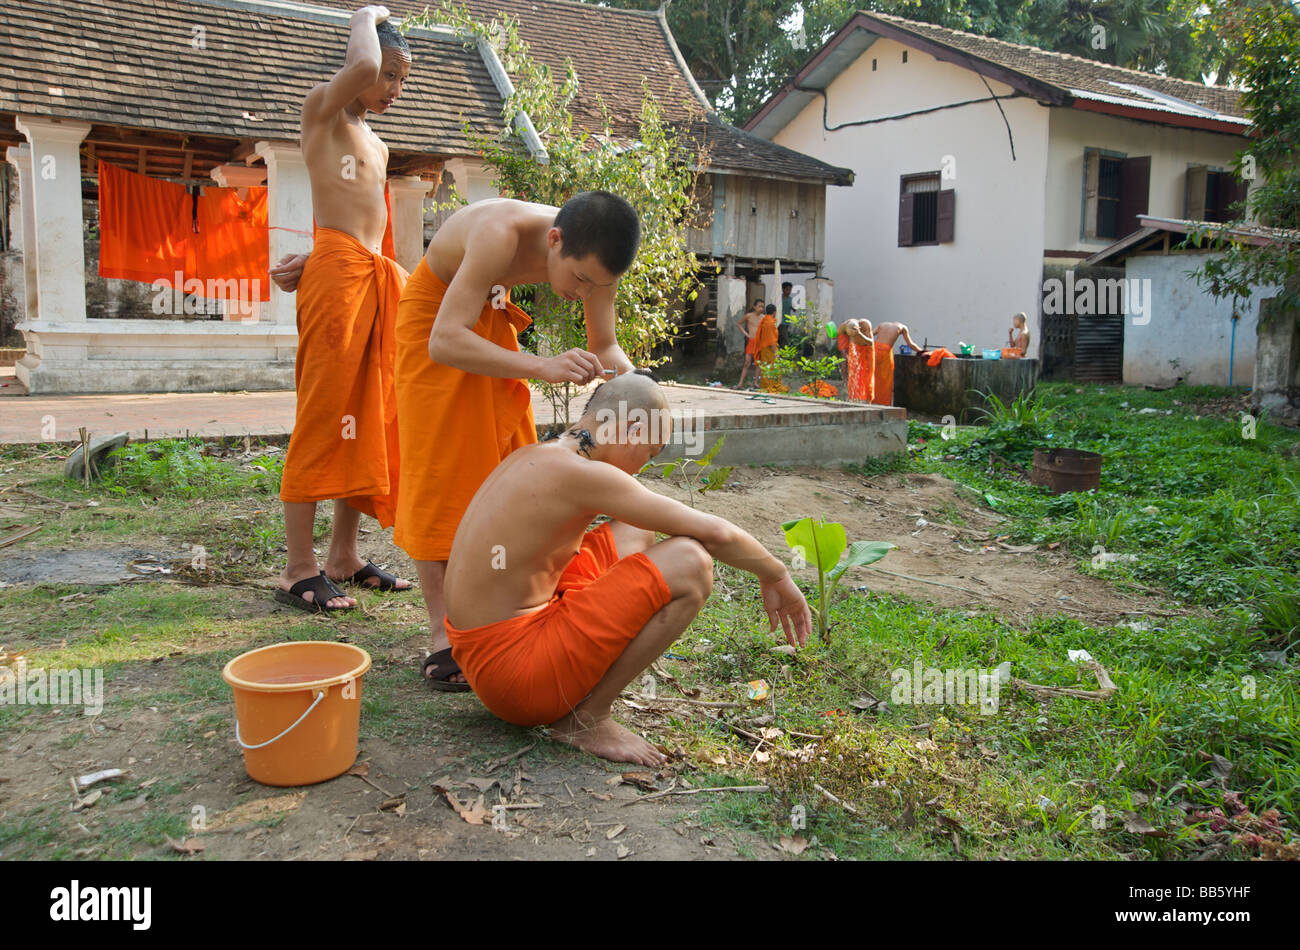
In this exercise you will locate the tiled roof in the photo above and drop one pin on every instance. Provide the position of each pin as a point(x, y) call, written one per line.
point(134, 63)
point(613, 51)
point(1071, 73)
point(1056, 78)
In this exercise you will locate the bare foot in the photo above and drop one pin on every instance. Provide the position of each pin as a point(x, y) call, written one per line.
point(605, 738)
point(334, 603)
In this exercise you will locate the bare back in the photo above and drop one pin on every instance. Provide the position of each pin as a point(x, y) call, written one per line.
point(519, 533)
point(526, 221)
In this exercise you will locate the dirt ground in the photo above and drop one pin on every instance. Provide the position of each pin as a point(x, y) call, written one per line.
point(559, 804)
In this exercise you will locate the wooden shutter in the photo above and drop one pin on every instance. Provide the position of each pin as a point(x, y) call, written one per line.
point(1134, 193)
point(1091, 177)
point(1232, 193)
point(1194, 205)
point(905, 220)
point(947, 204)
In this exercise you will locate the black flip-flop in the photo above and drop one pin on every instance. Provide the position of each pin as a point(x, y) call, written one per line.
point(443, 667)
point(323, 590)
point(387, 581)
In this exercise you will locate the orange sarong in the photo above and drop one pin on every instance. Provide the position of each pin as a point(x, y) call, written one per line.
point(454, 427)
point(884, 375)
point(534, 669)
point(344, 442)
point(765, 339)
point(859, 373)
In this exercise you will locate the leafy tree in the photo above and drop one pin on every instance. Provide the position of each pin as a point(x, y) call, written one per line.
point(1264, 40)
point(654, 173)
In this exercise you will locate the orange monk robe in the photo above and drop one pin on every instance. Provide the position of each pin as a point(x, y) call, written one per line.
point(884, 375)
point(859, 373)
point(455, 427)
point(765, 339)
point(344, 442)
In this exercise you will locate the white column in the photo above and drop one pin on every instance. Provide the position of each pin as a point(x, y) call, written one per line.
point(248, 308)
point(20, 157)
point(407, 193)
point(288, 207)
point(59, 245)
point(473, 179)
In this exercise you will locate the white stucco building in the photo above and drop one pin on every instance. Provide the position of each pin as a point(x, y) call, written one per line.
point(977, 162)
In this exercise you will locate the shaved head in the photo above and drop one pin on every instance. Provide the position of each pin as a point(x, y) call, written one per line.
point(628, 409)
point(636, 390)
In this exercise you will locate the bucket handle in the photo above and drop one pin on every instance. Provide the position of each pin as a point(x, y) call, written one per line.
point(262, 745)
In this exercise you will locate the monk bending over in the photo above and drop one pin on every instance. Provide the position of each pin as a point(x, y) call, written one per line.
point(344, 443)
point(885, 336)
point(463, 403)
point(549, 620)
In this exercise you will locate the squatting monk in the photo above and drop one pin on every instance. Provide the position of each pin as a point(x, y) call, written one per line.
point(884, 337)
point(344, 443)
point(551, 620)
point(859, 371)
point(463, 403)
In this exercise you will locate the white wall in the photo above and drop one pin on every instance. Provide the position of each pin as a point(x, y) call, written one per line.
point(1187, 324)
point(1171, 151)
point(966, 290)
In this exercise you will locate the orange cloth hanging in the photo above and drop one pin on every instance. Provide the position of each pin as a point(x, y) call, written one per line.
point(232, 242)
point(144, 226)
point(386, 248)
point(859, 375)
point(942, 353)
point(455, 426)
point(884, 374)
point(344, 442)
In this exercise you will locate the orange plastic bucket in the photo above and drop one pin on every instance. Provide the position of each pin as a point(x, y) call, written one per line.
point(298, 709)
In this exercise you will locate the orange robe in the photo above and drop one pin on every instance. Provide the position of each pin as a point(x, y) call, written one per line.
point(455, 427)
point(765, 339)
point(344, 442)
point(859, 373)
point(884, 375)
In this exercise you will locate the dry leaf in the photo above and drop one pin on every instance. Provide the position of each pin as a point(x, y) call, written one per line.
point(361, 856)
point(615, 832)
point(188, 846)
point(259, 810)
point(1137, 824)
point(474, 813)
point(643, 780)
point(622, 851)
point(770, 733)
point(795, 845)
point(603, 798)
point(88, 801)
point(761, 757)
point(482, 784)
point(361, 769)
point(390, 804)
point(927, 745)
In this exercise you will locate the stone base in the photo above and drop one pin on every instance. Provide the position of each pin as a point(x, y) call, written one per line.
point(147, 356)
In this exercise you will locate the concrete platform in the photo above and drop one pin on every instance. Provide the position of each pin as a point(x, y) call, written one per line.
point(778, 430)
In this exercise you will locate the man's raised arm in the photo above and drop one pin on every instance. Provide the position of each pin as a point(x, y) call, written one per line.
point(360, 69)
point(598, 311)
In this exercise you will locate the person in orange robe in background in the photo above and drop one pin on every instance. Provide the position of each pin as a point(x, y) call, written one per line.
point(462, 402)
point(344, 444)
point(859, 373)
point(885, 336)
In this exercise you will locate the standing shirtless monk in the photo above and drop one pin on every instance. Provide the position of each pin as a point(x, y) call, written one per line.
point(463, 401)
point(885, 336)
point(551, 621)
point(344, 443)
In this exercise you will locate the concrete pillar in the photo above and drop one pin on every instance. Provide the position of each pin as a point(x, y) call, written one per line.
point(20, 157)
point(820, 296)
point(473, 179)
point(289, 216)
point(1277, 362)
point(58, 244)
point(407, 193)
point(731, 300)
point(242, 177)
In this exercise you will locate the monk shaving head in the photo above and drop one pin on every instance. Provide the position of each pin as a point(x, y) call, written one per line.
point(394, 67)
point(592, 242)
point(625, 423)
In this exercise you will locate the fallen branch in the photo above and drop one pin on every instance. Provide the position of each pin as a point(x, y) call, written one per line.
point(497, 763)
point(639, 697)
point(19, 535)
point(1104, 681)
point(843, 804)
point(909, 577)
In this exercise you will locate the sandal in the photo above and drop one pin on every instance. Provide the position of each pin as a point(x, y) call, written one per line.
point(386, 581)
point(443, 667)
point(322, 589)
